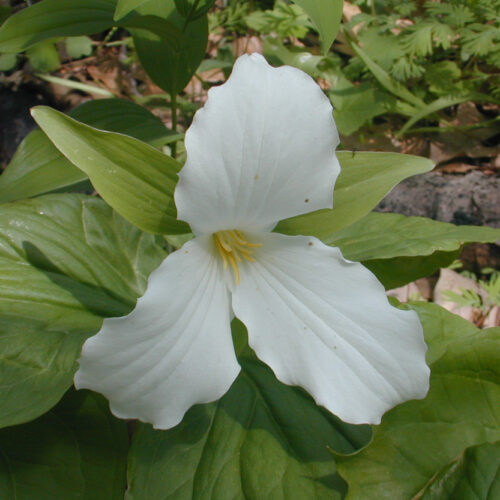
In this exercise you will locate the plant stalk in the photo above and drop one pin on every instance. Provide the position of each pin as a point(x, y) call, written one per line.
point(173, 107)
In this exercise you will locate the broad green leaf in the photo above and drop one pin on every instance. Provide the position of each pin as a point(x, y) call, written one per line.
point(55, 18)
point(442, 103)
point(66, 261)
point(437, 105)
point(380, 47)
point(8, 61)
point(39, 167)
point(326, 16)
point(77, 451)
point(4, 13)
point(124, 7)
point(474, 475)
point(419, 438)
point(263, 440)
point(193, 9)
point(364, 180)
point(354, 105)
point(63, 18)
point(125, 117)
point(386, 235)
point(137, 180)
point(43, 56)
point(441, 329)
point(399, 271)
point(78, 46)
point(169, 65)
point(400, 249)
point(163, 29)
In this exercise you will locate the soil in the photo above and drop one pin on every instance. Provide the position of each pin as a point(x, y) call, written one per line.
point(15, 118)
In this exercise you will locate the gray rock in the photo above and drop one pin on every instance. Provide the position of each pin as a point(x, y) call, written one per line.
point(472, 198)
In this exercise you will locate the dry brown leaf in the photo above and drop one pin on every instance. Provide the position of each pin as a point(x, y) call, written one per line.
point(350, 10)
point(465, 143)
point(411, 291)
point(106, 76)
point(247, 45)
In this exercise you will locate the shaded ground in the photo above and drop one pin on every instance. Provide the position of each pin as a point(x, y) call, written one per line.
point(15, 118)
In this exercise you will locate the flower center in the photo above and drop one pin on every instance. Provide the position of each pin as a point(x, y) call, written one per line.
point(233, 248)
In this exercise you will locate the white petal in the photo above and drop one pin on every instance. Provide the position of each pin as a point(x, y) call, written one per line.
point(173, 350)
point(262, 149)
point(325, 324)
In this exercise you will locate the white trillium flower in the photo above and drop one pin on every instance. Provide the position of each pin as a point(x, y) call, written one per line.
point(262, 149)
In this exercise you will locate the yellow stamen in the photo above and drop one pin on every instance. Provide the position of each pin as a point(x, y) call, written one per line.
point(233, 247)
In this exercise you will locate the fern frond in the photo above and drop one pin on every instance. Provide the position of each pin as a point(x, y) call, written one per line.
point(442, 35)
point(418, 39)
point(405, 8)
point(480, 39)
point(443, 77)
point(285, 20)
point(488, 9)
point(455, 15)
point(404, 69)
point(467, 298)
point(493, 59)
point(381, 47)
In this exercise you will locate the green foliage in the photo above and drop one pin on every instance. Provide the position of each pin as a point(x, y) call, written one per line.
point(289, 20)
point(399, 271)
point(355, 104)
point(232, 18)
point(326, 16)
point(55, 18)
point(473, 474)
point(262, 441)
point(66, 261)
point(4, 13)
point(69, 260)
point(170, 43)
point(284, 20)
point(386, 235)
point(438, 49)
point(364, 180)
point(78, 46)
point(39, 167)
point(141, 191)
point(471, 298)
point(419, 439)
point(406, 56)
point(193, 9)
point(43, 57)
point(171, 61)
point(7, 62)
point(77, 451)
point(124, 7)
point(401, 249)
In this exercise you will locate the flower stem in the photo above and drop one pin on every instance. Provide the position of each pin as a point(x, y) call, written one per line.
point(173, 106)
